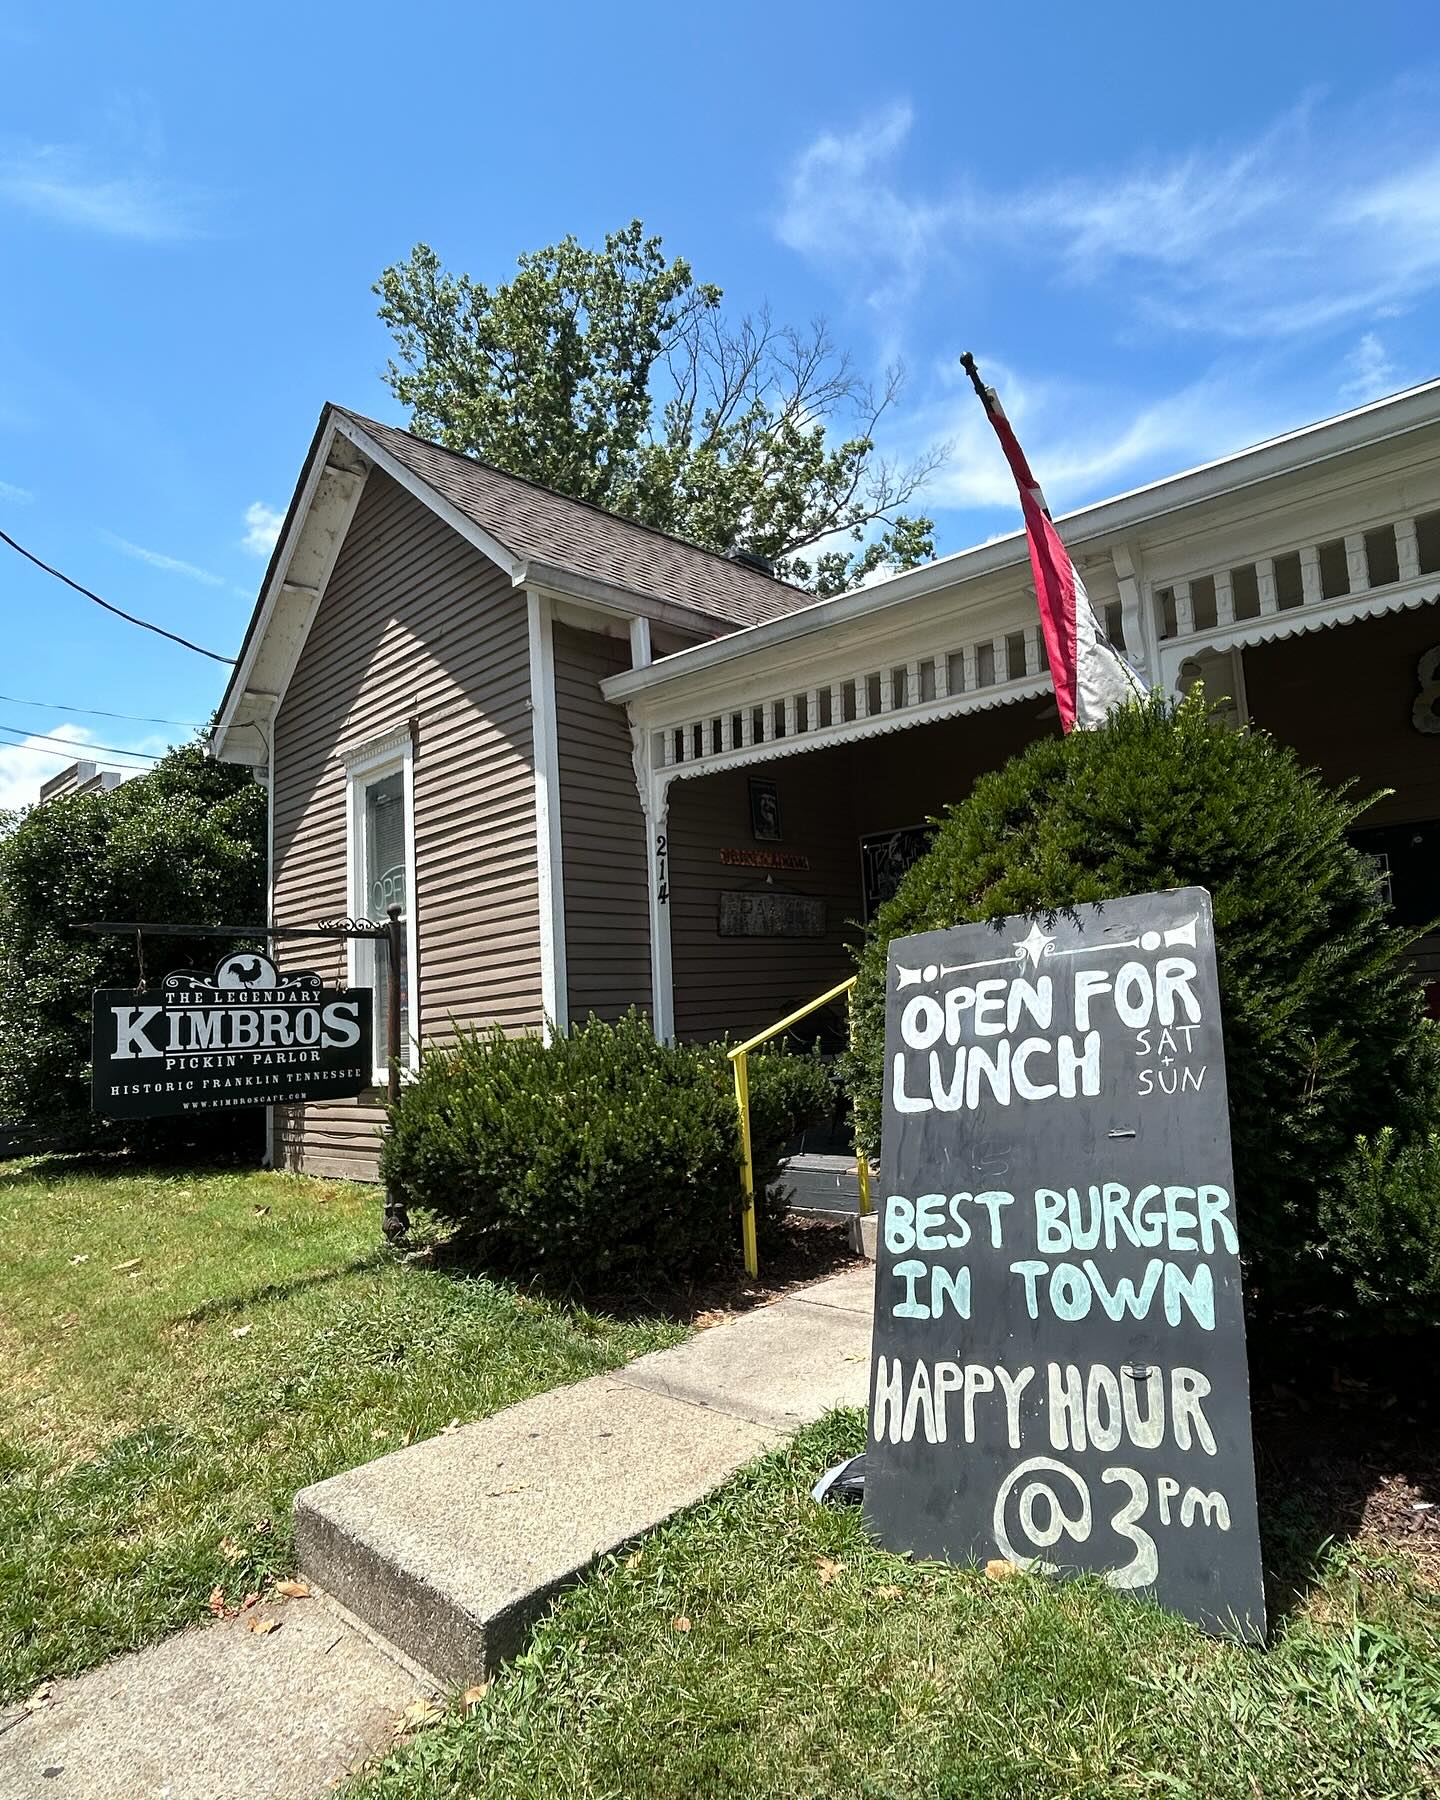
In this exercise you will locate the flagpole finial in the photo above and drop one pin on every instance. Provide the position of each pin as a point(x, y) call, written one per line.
point(967, 363)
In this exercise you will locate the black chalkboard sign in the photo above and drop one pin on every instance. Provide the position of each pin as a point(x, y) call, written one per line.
point(1059, 1375)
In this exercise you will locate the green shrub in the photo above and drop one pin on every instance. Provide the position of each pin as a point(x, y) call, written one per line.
point(1323, 1030)
point(1380, 1218)
point(599, 1155)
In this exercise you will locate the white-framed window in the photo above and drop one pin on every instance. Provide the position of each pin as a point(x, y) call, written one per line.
point(380, 833)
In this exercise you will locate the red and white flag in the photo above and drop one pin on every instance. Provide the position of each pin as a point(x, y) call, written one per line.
point(1091, 676)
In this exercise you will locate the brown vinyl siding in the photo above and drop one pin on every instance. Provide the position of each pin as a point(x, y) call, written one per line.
point(829, 799)
point(415, 626)
point(1344, 698)
point(602, 833)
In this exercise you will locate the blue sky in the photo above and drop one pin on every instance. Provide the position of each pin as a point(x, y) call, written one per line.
point(1165, 232)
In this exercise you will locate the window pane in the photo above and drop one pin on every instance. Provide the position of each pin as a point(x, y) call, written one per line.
point(387, 884)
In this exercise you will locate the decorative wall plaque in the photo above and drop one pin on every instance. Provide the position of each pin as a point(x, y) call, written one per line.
point(762, 912)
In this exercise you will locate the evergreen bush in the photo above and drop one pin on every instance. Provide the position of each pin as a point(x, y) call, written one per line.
point(1380, 1220)
point(599, 1157)
point(1324, 1035)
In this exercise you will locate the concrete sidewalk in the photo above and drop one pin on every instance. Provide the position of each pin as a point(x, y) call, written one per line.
point(452, 1548)
point(449, 1550)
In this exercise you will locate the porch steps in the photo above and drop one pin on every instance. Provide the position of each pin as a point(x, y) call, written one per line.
point(822, 1185)
point(451, 1549)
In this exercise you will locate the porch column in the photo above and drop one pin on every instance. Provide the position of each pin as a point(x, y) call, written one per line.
point(662, 986)
point(653, 783)
point(1142, 645)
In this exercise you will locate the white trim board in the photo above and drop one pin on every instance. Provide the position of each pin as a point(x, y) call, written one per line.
point(549, 864)
point(380, 756)
point(318, 528)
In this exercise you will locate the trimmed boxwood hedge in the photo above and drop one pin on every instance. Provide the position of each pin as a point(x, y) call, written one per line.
point(600, 1156)
point(1324, 1036)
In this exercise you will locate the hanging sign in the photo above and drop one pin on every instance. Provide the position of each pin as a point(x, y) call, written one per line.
point(246, 1036)
point(1059, 1375)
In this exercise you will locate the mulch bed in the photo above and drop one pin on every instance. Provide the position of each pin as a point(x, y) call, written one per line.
point(1346, 1455)
point(802, 1250)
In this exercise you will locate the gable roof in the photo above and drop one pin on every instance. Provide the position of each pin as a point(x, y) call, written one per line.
point(537, 537)
point(535, 523)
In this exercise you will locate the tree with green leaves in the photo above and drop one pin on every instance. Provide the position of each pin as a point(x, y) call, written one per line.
point(615, 377)
point(182, 844)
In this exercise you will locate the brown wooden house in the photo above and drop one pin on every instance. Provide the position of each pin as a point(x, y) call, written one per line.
point(599, 767)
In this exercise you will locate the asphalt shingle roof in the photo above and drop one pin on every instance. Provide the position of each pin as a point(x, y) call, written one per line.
point(534, 521)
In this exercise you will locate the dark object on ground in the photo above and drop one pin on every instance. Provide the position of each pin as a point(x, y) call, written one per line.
point(844, 1485)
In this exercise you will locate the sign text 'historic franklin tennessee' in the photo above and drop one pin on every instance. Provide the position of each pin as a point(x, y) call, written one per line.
point(1059, 1374)
point(246, 1036)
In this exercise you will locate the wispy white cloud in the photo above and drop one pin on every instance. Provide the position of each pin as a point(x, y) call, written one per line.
point(1302, 228)
point(16, 496)
point(1368, 371)
point(172, 565)
point(262, 528)
point(844, 202)
point(1086, 439)
point(72, 187)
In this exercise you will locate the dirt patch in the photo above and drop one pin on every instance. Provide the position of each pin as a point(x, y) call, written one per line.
point(1341, 1456)
point(805, 1250)
point(792, 1255)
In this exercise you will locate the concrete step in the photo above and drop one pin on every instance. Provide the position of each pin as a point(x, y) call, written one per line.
point(451, 1549)
point(822, 1186)
point(864, 1231)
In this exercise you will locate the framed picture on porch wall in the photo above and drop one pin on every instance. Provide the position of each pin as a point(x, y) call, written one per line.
point(764, 810)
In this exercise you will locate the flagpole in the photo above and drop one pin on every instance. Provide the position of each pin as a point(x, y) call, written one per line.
point(1089, 674)
point(967, 363)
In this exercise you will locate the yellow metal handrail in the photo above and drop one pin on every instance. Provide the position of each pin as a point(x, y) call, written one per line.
point(740, 1062)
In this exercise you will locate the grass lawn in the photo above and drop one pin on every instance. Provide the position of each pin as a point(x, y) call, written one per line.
point(760, 1646)
point(179, 1354)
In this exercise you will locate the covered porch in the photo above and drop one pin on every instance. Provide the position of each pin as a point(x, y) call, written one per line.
point(787, 773)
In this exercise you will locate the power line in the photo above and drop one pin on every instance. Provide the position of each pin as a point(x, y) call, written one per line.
point(36, 738)
point(98, 712)
point(129, 618)
point(133, 768)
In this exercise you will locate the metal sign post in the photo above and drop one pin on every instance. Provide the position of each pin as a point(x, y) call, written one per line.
point(396, 1223)
point(305, 1042)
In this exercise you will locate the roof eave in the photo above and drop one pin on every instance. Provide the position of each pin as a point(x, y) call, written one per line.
point(628, 602)
point(1289, 454)
point(316, 521)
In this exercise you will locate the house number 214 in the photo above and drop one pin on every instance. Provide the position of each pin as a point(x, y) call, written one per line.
point(662, 871)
